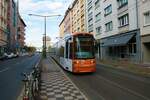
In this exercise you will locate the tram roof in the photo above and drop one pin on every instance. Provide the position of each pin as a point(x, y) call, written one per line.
point(77, 33)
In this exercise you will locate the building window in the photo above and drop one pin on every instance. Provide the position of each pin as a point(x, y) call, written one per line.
point(90, 21)
point(90, 15)
point(90, 28)
point(122, 3)
point(90, 4)
point(147, 18)
point(78, 28)
point(97, 4)
point(90, 9)
point(123, 20)
point(108, 10)
point(98, 30)
point(109, 26)
point(97, 17)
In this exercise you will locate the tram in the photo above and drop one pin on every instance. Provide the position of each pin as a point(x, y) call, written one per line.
point(76, 53)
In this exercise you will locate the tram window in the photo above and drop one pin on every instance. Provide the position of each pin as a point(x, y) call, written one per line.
point(70, 51)
point(84, 47)
point(66, 50)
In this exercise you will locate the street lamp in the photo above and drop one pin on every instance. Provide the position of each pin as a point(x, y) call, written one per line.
point(45, 17)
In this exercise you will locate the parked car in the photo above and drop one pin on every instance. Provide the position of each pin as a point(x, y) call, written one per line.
point(11, 55)
point(16, 55)
point(4, 56)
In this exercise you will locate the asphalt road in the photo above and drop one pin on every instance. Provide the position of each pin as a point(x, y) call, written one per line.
point(10, 75)
point(111, 84)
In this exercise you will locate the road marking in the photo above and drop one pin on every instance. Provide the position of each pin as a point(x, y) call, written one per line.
point(124, 88)
point(4, 70)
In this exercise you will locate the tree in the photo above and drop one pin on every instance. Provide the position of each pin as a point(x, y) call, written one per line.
point(29, 49)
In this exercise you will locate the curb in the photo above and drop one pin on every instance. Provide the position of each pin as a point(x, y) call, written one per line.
point(20, 97)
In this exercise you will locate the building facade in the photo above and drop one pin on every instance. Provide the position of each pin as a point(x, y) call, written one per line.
point(78, 16)
point(67, 22)
point(3, 25)
point(115, 24)
point(21, 33)
point(74, 19)
point(61, 29)
point(144, 18)
point(12, 26)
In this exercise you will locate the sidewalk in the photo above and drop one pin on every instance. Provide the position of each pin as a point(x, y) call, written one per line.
point(55, 85)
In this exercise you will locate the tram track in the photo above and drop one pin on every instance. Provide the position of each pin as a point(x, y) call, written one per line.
point(107, 85)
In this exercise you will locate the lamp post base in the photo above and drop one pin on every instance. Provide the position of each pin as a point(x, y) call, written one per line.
point(44, 54)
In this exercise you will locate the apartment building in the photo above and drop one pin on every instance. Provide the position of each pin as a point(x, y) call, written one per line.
point(61, 28)
point(74, 19)
point(78, 16)
point(3, 25)
point(68, 21)
point(144, 18)
point(115, 25)
point(65, 26)
point(93, 15)
point(12, 26)
point(21, 33)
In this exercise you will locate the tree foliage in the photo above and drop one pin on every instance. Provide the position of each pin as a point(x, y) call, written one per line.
point(29, 48)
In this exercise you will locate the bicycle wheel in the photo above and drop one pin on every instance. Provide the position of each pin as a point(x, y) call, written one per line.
point(34, 89)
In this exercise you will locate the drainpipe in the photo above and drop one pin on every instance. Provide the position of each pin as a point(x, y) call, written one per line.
point(138, 36)
point(17, 14)
point(137, 13)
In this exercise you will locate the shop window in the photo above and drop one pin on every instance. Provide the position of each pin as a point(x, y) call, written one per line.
point(132, 48)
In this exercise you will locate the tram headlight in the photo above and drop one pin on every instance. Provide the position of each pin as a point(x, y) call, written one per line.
point(92, 61)
point(76, 62)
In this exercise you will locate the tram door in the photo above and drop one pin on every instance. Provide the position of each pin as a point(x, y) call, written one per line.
point(68, 60)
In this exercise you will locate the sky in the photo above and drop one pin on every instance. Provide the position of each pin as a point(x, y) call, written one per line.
point(35, 25)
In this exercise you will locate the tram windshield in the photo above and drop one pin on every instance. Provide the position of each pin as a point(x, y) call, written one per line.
point(84, 47)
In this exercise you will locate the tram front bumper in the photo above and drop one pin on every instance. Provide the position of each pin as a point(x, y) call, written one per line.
point(84, 69)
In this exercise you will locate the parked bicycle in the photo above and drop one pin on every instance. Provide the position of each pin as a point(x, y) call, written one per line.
point(31, 84)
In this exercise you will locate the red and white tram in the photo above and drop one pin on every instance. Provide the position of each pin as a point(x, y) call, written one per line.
point(76, 52)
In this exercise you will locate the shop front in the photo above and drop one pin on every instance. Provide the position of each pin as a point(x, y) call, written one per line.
point(123, 46)
point(145, 40)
